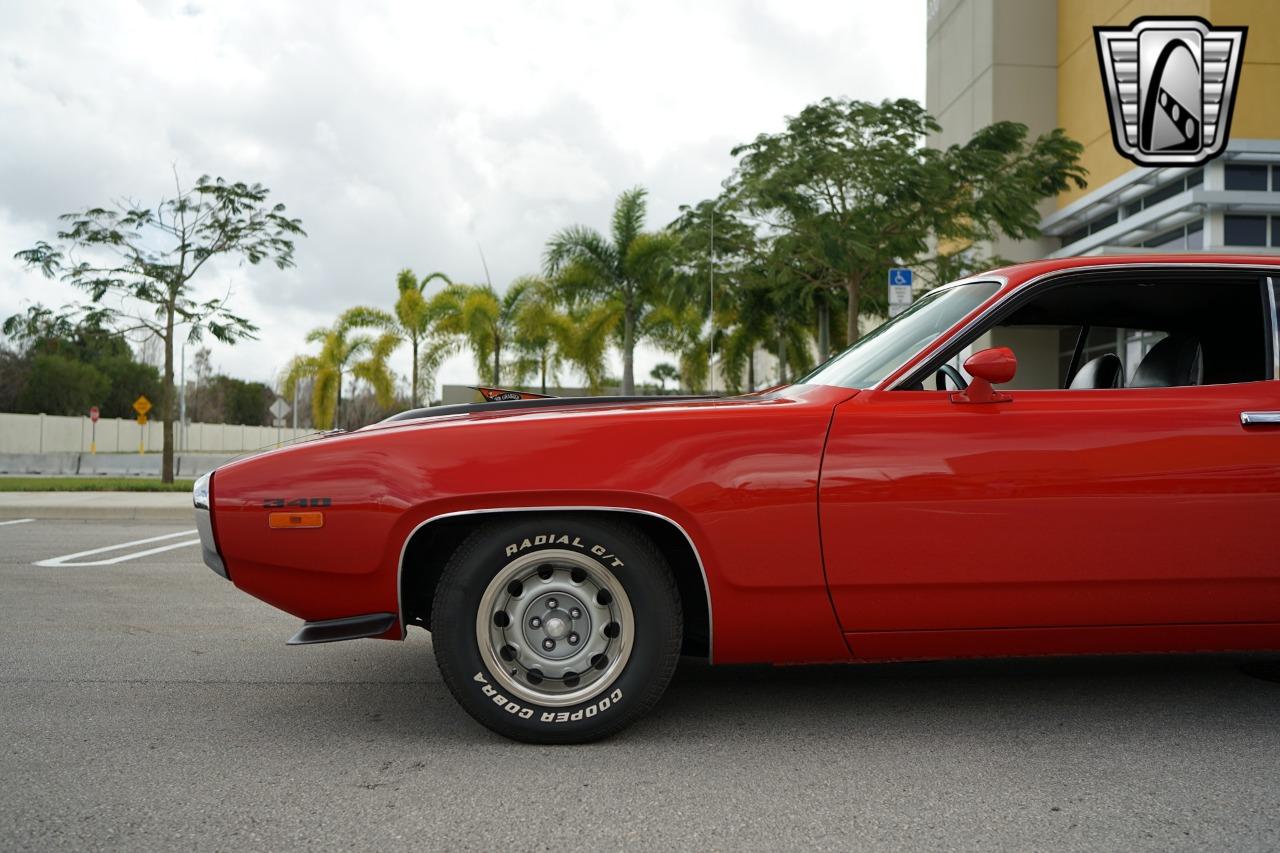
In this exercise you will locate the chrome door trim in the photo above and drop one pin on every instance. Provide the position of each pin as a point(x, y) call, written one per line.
point(1259, 418)
point(1003, 281)
point(1039, 280)
point(1275, 327)
point(706, 586)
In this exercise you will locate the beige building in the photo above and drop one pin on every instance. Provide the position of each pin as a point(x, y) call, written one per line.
point(1034, 61)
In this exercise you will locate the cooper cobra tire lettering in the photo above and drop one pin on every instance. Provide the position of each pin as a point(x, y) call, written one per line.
point(513, 707)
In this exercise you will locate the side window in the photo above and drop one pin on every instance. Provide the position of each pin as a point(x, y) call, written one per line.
point(1135, 331)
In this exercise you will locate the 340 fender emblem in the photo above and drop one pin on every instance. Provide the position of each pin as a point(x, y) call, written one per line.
point(277, 503)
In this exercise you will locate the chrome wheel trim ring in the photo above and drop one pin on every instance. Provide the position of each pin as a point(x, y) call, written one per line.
point(496, 641)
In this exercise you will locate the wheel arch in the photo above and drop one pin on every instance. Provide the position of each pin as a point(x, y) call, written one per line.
point(428, 547)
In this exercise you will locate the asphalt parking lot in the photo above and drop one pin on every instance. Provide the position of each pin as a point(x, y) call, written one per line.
point(147, 704)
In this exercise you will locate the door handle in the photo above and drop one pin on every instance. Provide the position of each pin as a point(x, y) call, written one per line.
point(1259, 418)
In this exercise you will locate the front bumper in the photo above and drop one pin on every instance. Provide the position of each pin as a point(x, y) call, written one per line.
point(209, 548)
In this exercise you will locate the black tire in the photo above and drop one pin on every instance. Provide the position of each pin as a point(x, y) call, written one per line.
point(632, 561)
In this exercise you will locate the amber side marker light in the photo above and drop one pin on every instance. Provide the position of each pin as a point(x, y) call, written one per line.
point(295, 520)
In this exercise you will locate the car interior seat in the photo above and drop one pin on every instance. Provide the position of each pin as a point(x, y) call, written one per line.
point(1177, 360)
point(1105, 371)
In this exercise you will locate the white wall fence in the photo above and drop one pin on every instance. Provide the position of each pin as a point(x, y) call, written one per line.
point(56, 434)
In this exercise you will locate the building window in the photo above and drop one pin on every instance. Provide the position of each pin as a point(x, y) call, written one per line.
point(1163, 193)
point(1195, 235)
point(1245, 230)
point(1189, 236)
point(1246, 177)
point(1176, 239)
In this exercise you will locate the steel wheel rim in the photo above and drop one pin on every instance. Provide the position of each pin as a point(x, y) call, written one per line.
point(526, 625)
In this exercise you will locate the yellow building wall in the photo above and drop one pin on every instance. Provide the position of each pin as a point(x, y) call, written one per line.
point(1082, 105)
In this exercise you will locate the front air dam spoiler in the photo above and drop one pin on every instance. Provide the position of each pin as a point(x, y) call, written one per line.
point(348, 628)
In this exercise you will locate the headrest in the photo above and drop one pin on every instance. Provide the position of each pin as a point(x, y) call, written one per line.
point(1105, 371)
point(1172, 362)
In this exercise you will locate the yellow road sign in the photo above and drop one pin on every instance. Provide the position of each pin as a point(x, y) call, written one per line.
point(142, 419)
point(142, 405)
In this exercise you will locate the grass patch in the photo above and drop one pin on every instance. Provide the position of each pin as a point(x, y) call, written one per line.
point(91, 484)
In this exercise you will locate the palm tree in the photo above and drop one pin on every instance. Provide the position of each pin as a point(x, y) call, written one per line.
point(625, 272)
point(765, 295)
point(680, 327)
point(662, 373)
point(476, 314)
point(591, 328)
point(413, 313)
point(543, 332)
point(341, 352)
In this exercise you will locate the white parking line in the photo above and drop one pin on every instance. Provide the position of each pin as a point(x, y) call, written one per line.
point(66, 560)
point(16, 521)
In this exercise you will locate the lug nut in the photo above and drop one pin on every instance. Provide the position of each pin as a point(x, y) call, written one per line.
point(573, 639)
point(535, 622)
point(549, 644)
point(552, 604)
point(575, 613)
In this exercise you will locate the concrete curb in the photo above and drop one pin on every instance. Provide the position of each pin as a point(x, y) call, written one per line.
point(97, 506)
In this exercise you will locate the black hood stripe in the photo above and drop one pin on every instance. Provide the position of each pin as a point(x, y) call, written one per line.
point(548, 403)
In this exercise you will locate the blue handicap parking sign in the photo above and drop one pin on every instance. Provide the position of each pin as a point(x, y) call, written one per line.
point(900, 277)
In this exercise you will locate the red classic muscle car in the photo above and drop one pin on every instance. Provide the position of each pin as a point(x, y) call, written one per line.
point(1113, 494)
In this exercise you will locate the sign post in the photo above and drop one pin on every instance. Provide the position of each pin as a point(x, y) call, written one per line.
point(93, 435)
point(900, 279)
point(142, 405)
point(278, 410)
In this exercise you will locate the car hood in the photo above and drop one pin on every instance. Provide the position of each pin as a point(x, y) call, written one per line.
point(555, 407)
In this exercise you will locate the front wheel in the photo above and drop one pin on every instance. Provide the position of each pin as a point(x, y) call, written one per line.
point(556, 629)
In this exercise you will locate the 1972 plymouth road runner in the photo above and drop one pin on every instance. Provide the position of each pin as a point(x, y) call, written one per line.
point(1115, 493)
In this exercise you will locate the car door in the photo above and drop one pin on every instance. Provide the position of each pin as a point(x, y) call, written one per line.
point(1132, 506)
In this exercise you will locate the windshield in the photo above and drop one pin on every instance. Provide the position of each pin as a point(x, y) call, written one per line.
point(883, 350)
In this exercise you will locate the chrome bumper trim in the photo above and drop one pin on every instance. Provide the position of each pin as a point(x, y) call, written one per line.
point(208, 550)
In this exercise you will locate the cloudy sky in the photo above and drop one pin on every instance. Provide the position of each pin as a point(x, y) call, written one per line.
point(408, 134)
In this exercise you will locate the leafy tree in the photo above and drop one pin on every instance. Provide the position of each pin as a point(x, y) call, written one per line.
point(850, 189)
point(626, 272)
point(58, 385)
point(145, 259)
point(14, 369)
point(43, 331)
point(416, 325)
point(344, 349)
point(662, 373)
point(126, 380)
point(240, 402)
